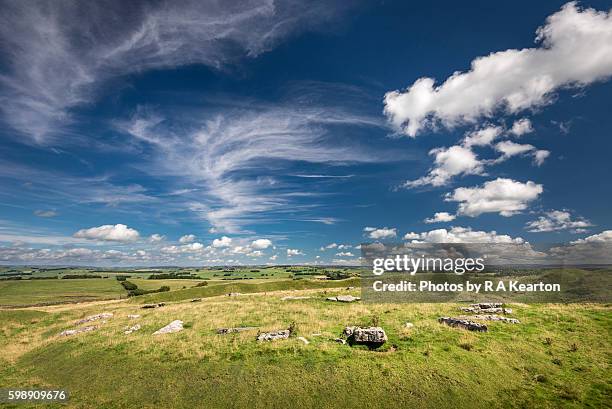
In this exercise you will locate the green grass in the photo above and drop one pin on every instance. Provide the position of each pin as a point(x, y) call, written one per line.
point(244, 287)
point(558, 357)
point(39, 292)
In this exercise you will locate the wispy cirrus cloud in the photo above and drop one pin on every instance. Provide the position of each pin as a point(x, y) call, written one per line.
point(57, 54)
point(237, 156)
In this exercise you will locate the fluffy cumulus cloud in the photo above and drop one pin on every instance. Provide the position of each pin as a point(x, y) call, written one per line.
point(461, 235)
point(56, 55)
point(603, 237)
point(556, 220)
point(461, 159)
point(440, 217)
point(509, 149)
point(449, 162)
point(261, 244)
point(521, 127)
point(504, 196)
point(109, 232)
point(222, 242)
point(345, 254)
point(156, 238)
point(187, 238)
point(575, 50)
point(294, 252)
point(483, 136)
point(380, 233)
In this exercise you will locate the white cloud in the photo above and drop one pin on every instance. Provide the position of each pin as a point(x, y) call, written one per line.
point(540, 156)
point(345, 254)
point(462, 235)
point(483, 136)
point(274, 257)
point(57, 55)
point(156, 238)
point(255, 253)
point(521, 127)
point(575, 50)
point(261, 244)
point(109, 232)
point(187, 238)
point(440, 217)
point(185, 248)
point(462, 160)
point(380, 233)
point(294, 252)
point(603, 237)
point(335, 245)
point(214, 151)
point(504, 196)
point(222, 242)
point(509, 148)
point(555, 220)
point(449, 162)
point(45, 213)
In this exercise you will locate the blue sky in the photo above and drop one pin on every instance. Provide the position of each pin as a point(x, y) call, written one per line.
point(274, 132)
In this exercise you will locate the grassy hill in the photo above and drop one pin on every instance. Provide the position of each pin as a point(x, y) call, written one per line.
point(559, 356)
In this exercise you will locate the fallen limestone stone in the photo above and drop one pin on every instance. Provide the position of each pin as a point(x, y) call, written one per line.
point(372, 336)
point(304, 340)
point(161, 304)
point(133, 316)
point(343, 298)
point(234, 330)
point(69, 332)
point(491, 317)
point(104, 315)
point(493, 310)
point(174, 326)
point(485, 305)
point(292, 297)
point(409, 325)
point(274, 335)
point(196, 300)
point(129, 330)
point(463, 323)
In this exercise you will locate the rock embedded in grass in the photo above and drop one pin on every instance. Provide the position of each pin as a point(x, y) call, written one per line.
point(490, 317)
point(147, 306)
point(463, 323)
point(223, 331)
point(373, 337)
point(174, 326)
point(133, 316)
point(196, 300)
point(103, 315)
point(69, 332)
point(343, 298)
point(487, 307)
point(129, 330)
point(274, 335)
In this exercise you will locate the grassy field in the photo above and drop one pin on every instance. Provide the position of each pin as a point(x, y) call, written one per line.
point(35, 292)
point(559, 356)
